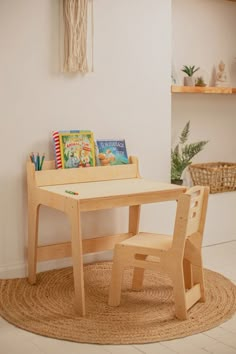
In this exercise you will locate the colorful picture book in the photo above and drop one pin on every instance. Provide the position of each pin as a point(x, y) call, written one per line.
point(74, 148)
point(111, 152)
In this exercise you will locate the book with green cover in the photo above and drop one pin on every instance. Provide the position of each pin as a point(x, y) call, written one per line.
point(77, 149)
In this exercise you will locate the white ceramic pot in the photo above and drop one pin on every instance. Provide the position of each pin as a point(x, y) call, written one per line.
point(189, 81)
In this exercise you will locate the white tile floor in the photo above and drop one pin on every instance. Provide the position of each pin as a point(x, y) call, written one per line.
point(222, 339)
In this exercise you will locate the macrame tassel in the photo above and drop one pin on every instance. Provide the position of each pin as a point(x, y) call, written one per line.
point(75, 13)
point(92, 37)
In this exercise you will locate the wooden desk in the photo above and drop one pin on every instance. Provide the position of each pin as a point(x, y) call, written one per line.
point(98, 188)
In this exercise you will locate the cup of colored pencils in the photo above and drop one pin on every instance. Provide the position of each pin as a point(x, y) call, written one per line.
point(37, 160)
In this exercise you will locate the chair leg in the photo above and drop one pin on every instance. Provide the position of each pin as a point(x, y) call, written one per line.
point(179, 294)
point(138, 275)
point(137, 282)
point(198, 278)
point(188, 276)
point(195, 261)
point(116, 281)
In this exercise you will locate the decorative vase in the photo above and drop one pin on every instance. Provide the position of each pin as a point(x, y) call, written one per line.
point(189, 81)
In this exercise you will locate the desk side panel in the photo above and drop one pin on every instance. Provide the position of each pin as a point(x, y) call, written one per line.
point(53, 200)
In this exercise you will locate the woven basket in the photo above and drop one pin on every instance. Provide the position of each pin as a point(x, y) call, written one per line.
point(219, 176)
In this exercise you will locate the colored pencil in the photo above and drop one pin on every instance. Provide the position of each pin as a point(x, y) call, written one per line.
point(71, 192)
point(41, 164)
point(37, 162)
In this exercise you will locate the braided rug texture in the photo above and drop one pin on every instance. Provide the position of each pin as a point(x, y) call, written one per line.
point(146, 316)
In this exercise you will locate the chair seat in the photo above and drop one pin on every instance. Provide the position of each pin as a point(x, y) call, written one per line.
point(149, 240)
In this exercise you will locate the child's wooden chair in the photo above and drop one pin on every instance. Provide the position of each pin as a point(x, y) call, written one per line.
point(179, 255)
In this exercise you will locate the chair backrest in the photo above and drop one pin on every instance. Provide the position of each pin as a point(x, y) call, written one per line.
point(190, 216)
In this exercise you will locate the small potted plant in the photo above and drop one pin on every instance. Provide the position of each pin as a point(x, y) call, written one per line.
point(182, 154)
point(189, 70)
point(200, 82)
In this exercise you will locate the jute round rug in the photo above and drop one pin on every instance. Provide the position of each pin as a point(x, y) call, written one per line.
point(145, 316)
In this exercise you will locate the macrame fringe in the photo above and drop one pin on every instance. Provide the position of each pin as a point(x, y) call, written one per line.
point(75, 14)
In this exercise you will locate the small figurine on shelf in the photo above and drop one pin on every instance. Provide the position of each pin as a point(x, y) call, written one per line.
point(221, 76)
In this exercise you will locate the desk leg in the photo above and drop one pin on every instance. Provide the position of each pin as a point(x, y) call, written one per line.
point(134, 218)
point(77, 257)
point(33, 221)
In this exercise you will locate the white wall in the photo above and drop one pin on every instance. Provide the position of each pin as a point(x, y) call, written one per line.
point(203, 33)
point(127, 96)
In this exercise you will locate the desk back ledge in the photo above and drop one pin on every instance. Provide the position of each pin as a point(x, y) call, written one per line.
point(51, 176)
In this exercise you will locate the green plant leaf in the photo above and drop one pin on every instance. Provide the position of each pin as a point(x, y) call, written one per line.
point(189, 151)
point(190, 70)
point(185, 133)
point(183, 153)
point(186, 70)
point(194, 70)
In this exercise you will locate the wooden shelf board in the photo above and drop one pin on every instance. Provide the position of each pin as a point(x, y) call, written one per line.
point(207, 89)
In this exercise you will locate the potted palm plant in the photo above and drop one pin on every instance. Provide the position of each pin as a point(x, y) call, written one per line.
point(183, 153)
point(189, 70)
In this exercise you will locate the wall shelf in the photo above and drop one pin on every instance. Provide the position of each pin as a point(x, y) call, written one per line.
point(197, 89)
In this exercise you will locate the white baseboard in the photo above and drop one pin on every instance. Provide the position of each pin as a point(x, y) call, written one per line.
point(20, 270)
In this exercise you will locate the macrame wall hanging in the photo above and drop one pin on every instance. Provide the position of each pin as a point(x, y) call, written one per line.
point(75, 15)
